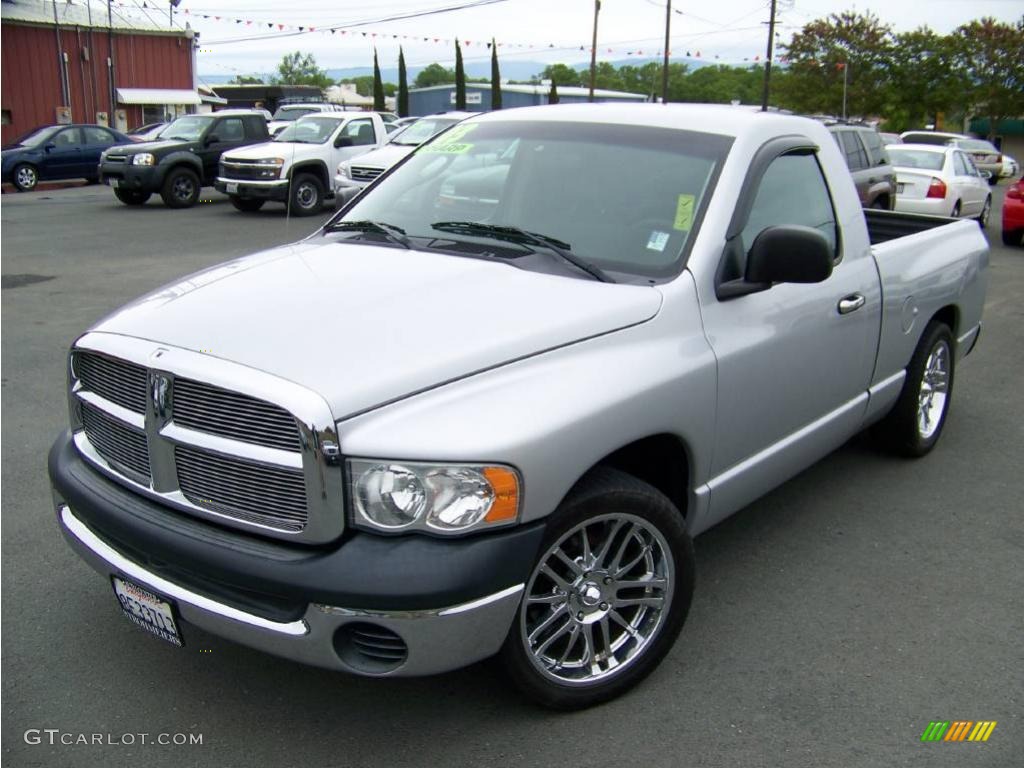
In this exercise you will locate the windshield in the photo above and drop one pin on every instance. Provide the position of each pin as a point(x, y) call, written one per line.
point(309, 130)
point(621, 198)
point(294, 113)
point(417, 133)
point(186, 128)
point(37, 137)
point(917, 158)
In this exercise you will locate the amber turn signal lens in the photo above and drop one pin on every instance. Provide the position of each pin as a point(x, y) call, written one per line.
point(506, 494)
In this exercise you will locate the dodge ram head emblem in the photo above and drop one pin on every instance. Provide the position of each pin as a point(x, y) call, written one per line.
point(160, 392)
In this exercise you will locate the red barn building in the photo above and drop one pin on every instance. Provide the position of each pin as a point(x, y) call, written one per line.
point(69, 62)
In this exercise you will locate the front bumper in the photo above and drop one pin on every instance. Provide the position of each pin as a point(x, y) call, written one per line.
point(138, 178)
point(451, 602)
point(930, 206)
point(276, 189)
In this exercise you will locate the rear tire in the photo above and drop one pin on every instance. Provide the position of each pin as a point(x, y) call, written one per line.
point(247, 204)
point(914, 425)
point(985, 212)
point(607, 596)
point(1012, 237)
point(181, 188)
point(306, 195)
point(956, 210)
point(131, 196)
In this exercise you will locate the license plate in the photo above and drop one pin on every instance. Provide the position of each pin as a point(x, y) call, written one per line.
point(115, 183)
point(900, 188)
point(232, 188)
point(150, 612)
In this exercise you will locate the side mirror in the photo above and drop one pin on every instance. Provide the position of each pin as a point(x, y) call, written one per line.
point(344, 141)
point(49, 146)
point(789, 254)
point(213, 138)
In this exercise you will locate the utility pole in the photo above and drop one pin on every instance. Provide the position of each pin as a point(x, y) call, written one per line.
point(664, 68)
point(593, 51)
point(768, 60)
point(110, 65)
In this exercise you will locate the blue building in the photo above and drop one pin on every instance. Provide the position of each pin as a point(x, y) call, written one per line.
point(441, 98)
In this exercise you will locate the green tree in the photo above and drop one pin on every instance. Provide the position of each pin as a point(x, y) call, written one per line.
point(460, 78)
point(564, 74)
point(645, 79)
point(434, 74)
point(403, 86)
point(718, 85)
point(606, 76)
point(300, 68)
point(924, 79)
point(364, 85)
point(378, 86)
point(247, 80)
point(553, 93)
point(818, 54)
point(495, 77)
point(991, 57)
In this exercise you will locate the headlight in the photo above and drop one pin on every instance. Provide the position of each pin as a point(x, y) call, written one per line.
point(143, 158)
point(345, 170)
point(440, 498)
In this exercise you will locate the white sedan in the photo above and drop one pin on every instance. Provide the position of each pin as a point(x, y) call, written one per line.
point(941, 181)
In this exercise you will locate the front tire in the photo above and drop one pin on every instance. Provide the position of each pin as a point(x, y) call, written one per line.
point(1012, 237)
point(607, 595)
point(247, 204)
point(131, 196)
point(956, 210)
point(25, 177)
point(914, 425)
point(306, 196)
point(181, 188)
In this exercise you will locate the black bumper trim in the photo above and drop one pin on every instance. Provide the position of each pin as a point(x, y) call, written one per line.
point(362, 571)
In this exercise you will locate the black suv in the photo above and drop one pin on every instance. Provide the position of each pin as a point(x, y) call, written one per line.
point(868, 162)
point(182, 160)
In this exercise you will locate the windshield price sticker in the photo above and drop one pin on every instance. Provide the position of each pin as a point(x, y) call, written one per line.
point(451, 142)
point(684, 213)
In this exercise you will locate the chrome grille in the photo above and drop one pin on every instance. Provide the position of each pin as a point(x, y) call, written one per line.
point(117, 158)
point(258, 493)
point(229, 414)
point(365, 172)
point(119, 381)
point(115, 441)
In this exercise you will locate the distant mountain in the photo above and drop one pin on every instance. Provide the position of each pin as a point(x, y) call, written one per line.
point(511, 70)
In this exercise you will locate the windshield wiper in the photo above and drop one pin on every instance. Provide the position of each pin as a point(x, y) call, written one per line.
point(391, 233)
point(517, 235)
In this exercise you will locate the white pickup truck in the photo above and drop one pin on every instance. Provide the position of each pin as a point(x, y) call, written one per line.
point(484, 410)
point(297, 166)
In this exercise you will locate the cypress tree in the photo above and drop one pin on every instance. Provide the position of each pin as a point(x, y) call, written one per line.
point(553, 93)
point(403, 86)
point(378, 86)
point(460, 79)
point(495, 77)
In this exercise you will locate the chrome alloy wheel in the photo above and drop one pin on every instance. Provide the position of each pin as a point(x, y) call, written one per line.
point(26, 177)
point(597, 599)
point(931, 398)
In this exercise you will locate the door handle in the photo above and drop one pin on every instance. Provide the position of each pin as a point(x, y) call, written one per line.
point(851, 303)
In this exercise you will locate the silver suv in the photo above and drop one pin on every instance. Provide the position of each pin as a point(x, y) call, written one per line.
point(865, 155)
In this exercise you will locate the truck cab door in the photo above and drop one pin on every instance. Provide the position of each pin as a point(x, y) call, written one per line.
point(794, 359)
point(365, 134)
point(224, 135)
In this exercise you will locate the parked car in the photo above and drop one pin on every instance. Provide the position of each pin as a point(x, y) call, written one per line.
point(421, 440)
point(986, 157)
point(295, 168)
point(866, 158)
point(940, 181)
point(147, 132)
point(404, 121)
point(183, 160)
point(1013, 214)
point(352, 176)
point(57, 152)
point(287, 113)
point(890, 138)
point(939, 138)
point(1010, 167)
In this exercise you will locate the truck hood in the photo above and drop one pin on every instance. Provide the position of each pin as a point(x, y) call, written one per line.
point(384, 157)
point(288, 149)
point(155, 147)
point(364, 325)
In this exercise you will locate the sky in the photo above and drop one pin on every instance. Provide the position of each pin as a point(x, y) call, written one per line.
point(528, 30)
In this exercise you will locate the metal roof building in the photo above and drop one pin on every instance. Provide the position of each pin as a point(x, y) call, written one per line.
point(68, 61)
point(441, 98)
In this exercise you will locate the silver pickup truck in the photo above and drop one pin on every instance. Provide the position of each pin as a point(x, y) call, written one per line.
point(486, 408)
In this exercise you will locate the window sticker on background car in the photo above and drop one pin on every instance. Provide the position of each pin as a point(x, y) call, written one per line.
point(657, 241)
point(684, 213)
point(451, 142)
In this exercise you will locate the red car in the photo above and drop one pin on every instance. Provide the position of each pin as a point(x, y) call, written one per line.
point(1013, 213)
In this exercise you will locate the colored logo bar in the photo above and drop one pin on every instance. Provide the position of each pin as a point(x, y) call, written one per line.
point(958, 730)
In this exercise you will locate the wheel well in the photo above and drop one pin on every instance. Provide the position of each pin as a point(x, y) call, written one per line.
point(182, 164)
point(661, 461)
point(316, 169)
point(949, 316)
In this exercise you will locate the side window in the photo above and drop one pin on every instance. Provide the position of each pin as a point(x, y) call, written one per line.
point(856, 158)
point(792, 191)
point(876, 151)
point(972, 169)
point(960, 164)
point(66, 139)
point(255, 127)
point(230, 129)
point(361, 131)
point(98, 136)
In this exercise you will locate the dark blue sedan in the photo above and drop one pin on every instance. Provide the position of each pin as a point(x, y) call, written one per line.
point(57, 152)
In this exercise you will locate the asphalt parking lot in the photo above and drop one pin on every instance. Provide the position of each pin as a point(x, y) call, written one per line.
point(833, 619)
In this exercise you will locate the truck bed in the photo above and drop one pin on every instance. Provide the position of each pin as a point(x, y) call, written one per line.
point(884, 226)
